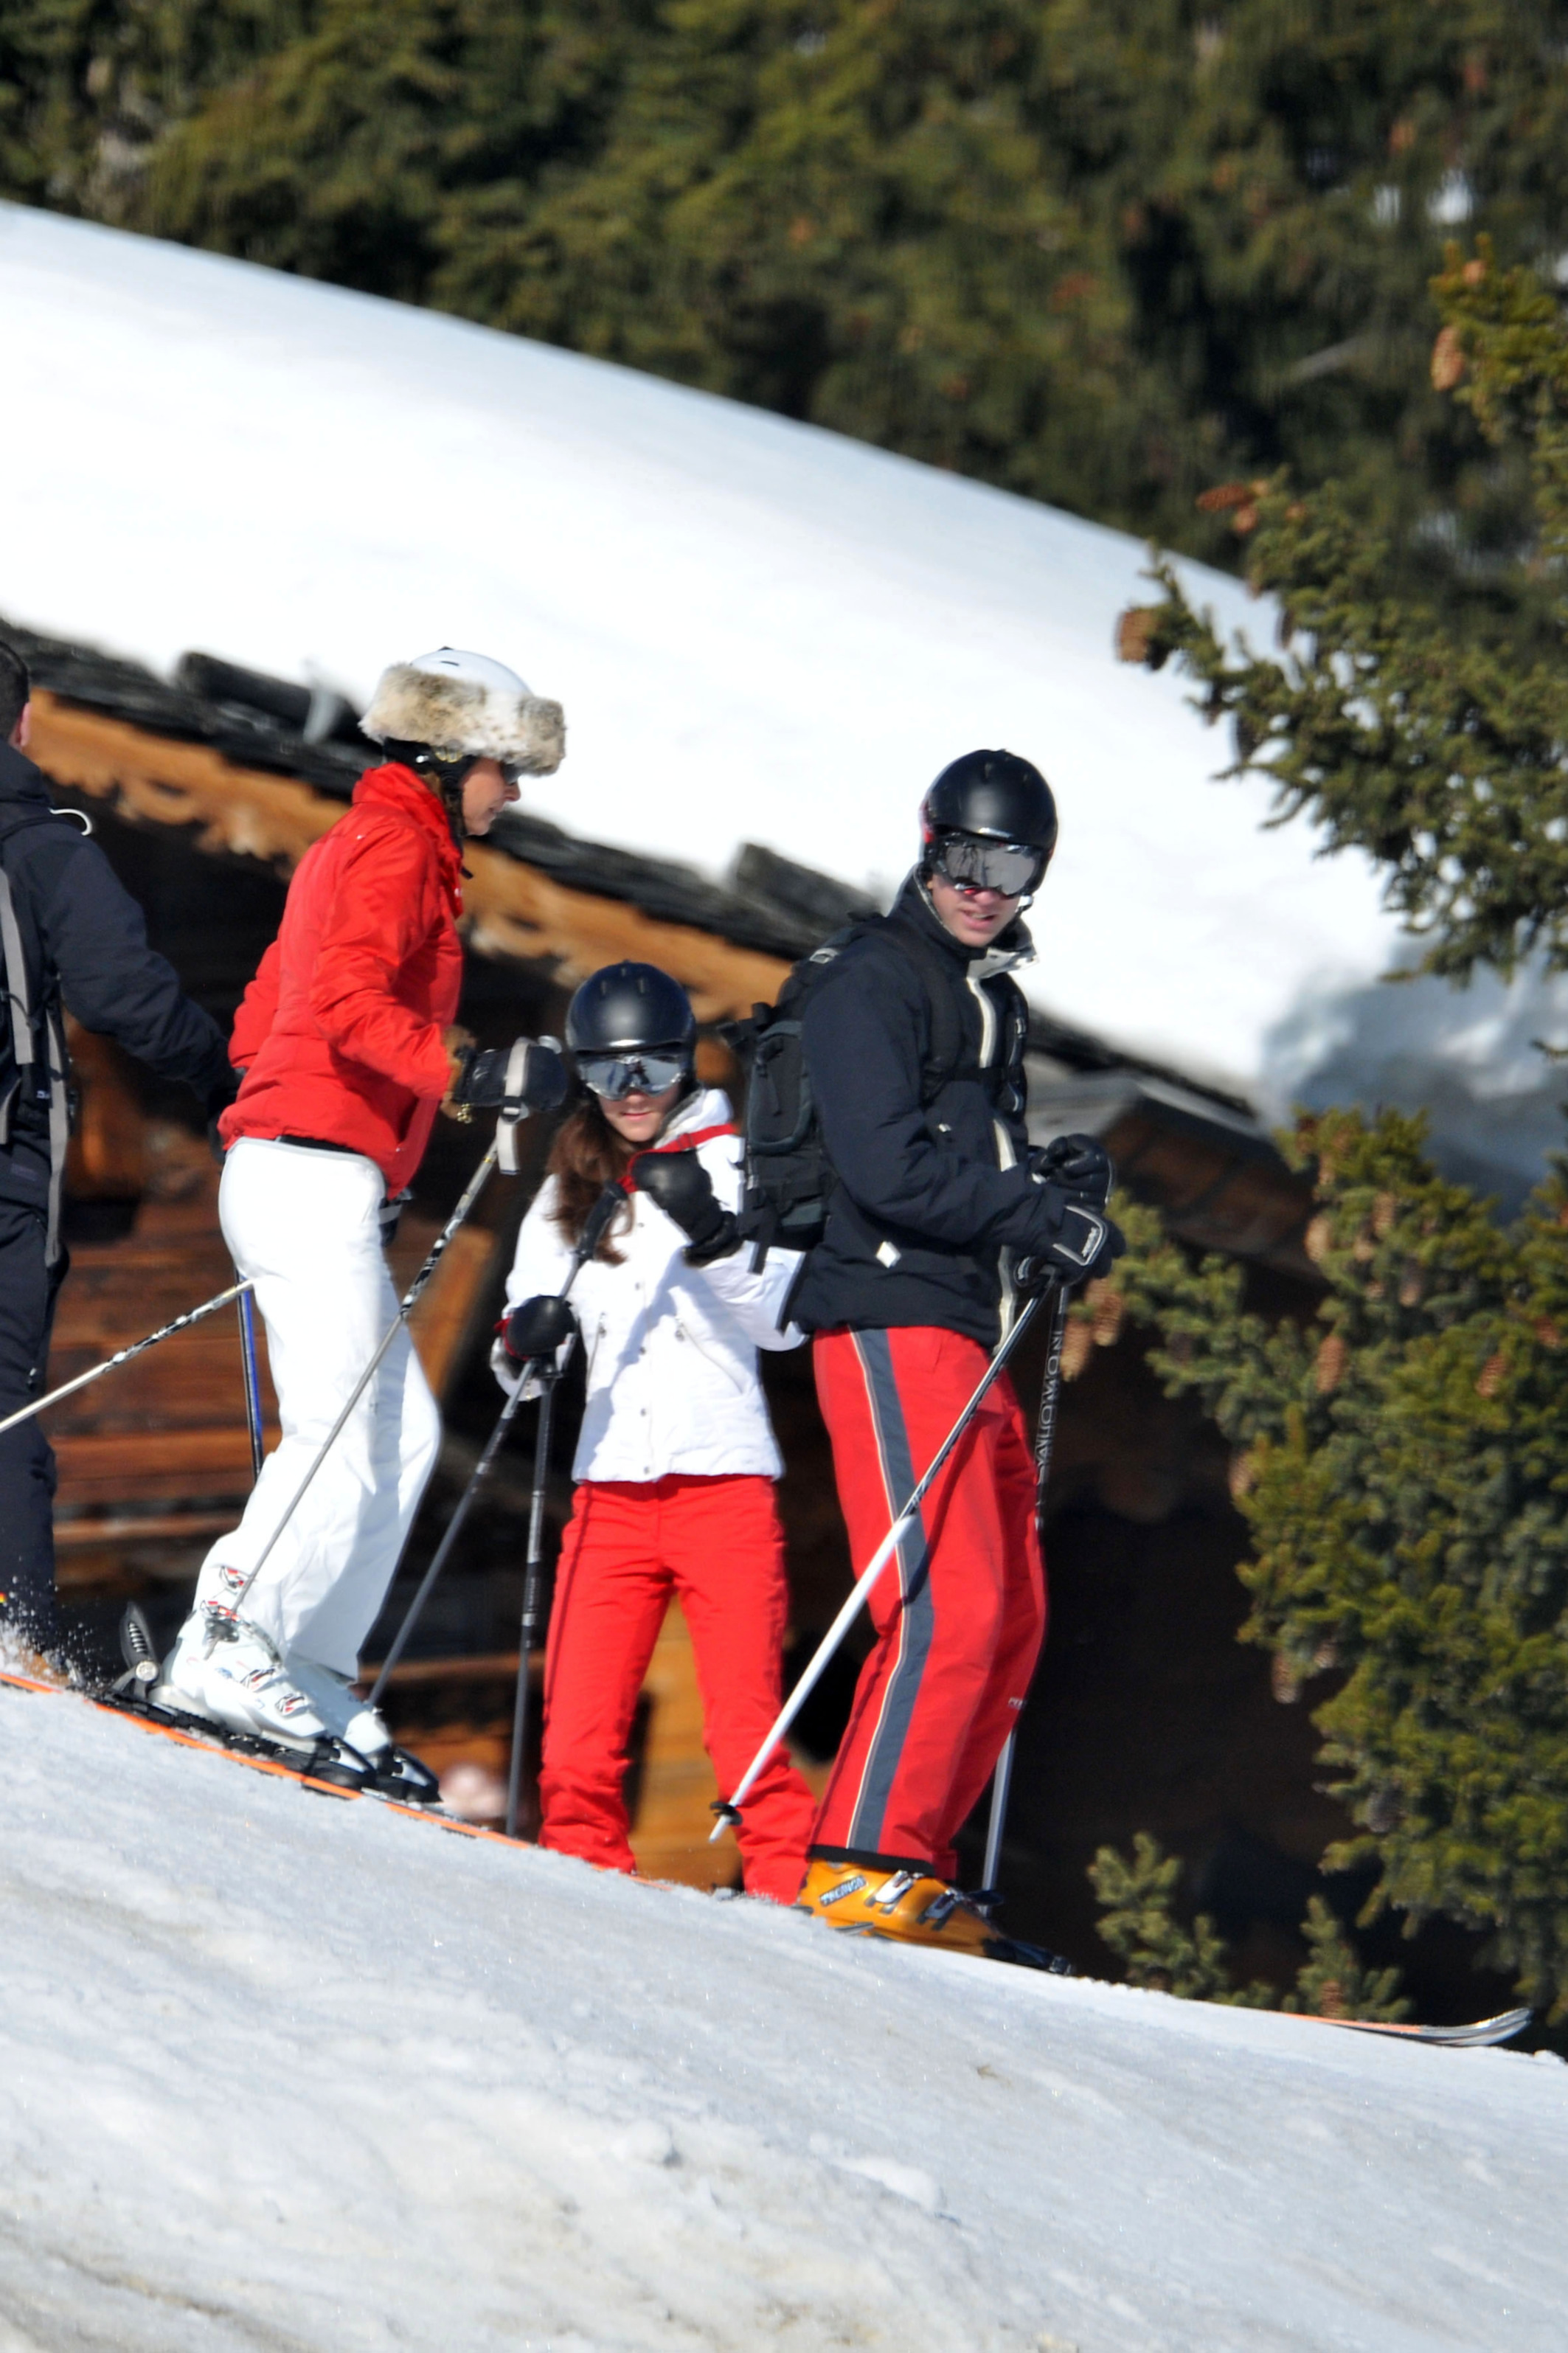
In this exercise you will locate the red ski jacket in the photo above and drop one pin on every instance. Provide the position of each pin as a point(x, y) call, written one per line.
point(340, 1033)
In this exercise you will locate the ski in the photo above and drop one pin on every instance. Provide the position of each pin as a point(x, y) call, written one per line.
point(1480, 2034)
point(326, 1777)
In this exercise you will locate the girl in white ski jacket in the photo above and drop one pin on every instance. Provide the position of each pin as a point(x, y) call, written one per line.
point(675, 1464)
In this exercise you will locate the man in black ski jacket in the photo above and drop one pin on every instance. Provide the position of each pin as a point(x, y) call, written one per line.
point(69, 933)
point(940, 1216)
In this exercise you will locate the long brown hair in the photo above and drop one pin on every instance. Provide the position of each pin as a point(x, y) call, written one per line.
point(586, 1156)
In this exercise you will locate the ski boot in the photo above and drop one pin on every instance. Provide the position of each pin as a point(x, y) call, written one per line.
point(880, 1895)
point(224, 1676)
point(395, 1772)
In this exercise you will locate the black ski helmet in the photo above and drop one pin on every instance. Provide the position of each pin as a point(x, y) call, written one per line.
point(994, 794)
point(627, 1006)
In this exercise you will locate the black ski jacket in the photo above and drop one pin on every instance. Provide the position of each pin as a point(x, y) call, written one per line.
point(83, 940)
point(929, 1196)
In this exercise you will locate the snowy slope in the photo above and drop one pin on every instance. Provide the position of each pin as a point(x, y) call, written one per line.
point(278, 2072)
point(760, 631)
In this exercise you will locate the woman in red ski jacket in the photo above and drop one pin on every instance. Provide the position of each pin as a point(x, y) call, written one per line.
point(346, 1039)
point(341, 1033)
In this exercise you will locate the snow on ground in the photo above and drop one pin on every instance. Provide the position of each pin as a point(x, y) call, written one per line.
point(278, 2072)
point(760, 630)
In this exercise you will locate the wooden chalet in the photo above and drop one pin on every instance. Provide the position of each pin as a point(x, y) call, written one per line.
point(204, 792)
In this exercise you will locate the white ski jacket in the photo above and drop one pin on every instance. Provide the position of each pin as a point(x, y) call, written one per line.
point(672, 1349)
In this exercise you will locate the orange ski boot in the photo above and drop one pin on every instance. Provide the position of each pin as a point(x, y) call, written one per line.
point(880, 1895)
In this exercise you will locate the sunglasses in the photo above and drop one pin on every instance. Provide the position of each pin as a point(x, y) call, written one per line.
point(971, 862)
point(632, 1072)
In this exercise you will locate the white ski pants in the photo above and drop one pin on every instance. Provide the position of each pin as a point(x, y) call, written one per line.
point(305, 1227)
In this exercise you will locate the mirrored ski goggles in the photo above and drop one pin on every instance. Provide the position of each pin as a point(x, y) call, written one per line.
point(633, 1071)
point(971, 862)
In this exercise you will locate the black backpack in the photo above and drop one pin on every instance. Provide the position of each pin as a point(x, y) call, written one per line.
point(788, 1178)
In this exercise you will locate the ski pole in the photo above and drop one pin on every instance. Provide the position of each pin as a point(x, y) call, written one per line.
point(728, 1808)
point(593, 1227)
point(532, 1584)
point(444, 1549)
point(1045, 1441)
point(599, 1218)
point(252, 1380)
point(471, 1192)
point(124, 1355)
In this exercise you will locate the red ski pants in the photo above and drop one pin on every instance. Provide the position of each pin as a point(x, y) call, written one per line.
point(959, 1613)
point(716, 1545)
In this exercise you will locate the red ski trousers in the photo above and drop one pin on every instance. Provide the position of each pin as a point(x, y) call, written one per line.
point(716, 1545)
point(959, 1613)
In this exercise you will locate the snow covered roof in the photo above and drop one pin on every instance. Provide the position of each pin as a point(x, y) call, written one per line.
point(761, 631)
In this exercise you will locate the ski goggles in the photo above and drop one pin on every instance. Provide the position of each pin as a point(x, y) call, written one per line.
point(633, 1071)
point(971, 861)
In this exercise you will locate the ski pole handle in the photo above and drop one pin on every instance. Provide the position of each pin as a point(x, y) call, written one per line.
point(124, 1355)
point(728, 1808)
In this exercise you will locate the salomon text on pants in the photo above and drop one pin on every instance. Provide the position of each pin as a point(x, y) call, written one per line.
point(305, 1226)
point(959, 1613)
point(715, 1545)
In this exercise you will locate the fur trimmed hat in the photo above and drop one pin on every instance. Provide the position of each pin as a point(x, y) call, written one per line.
point(466, 705)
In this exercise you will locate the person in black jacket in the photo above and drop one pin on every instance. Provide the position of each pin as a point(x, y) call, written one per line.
point(913, 1040)
point(68, 930)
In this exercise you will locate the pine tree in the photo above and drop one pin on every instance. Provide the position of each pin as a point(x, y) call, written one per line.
point(1430, 735)
point(1138, 1921)
point(1138, 1900)
point(1401, 1459)
point(1332, 1981)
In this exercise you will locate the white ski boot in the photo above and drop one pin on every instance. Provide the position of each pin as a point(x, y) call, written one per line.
point(335, 1700)
point(395, 1772)
point(227, 1671)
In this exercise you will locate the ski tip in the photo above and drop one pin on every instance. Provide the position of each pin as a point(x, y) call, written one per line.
point(1479, 2034)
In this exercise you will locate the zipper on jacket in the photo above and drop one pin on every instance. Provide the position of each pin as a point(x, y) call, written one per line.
point(987, 1022)
point(1006, 1158)
point(1005, 1155)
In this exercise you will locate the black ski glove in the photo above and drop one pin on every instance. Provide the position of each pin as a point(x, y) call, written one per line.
point(1079, 1243)
point(1080, 1165)
point(481, 1083)
point(538, 1328)
point(681, 1186)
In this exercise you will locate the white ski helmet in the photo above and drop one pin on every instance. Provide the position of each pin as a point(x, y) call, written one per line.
point(464, 706)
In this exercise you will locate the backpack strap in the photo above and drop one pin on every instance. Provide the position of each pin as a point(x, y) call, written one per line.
point(19, 998)
point(17, 994)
